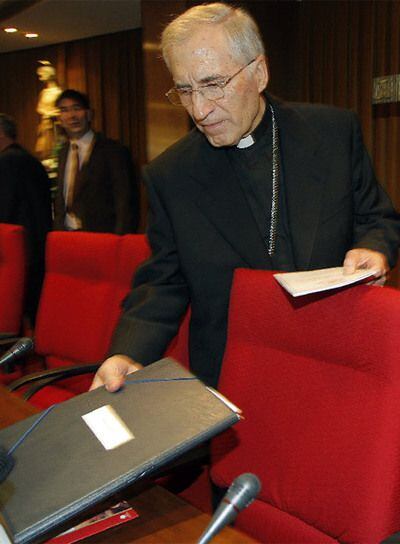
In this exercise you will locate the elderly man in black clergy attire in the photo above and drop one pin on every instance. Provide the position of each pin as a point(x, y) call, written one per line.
point(25, 200)
point(257, 183)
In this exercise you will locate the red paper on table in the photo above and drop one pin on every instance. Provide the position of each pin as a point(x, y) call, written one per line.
point(115, 515)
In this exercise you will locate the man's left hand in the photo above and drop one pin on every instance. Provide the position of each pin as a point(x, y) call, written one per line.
point(367, 259)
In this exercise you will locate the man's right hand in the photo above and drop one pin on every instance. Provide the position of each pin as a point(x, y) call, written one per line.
point(113, 372)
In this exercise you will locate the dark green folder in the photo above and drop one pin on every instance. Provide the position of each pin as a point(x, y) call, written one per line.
point(62, 469)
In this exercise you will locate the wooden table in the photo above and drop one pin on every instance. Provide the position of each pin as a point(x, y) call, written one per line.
point(13, 409)
point(163, 517)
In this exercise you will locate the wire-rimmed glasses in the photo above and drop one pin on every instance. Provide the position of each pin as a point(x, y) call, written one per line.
point(211, 91)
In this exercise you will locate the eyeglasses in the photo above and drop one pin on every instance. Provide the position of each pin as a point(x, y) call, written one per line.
point(211, 91)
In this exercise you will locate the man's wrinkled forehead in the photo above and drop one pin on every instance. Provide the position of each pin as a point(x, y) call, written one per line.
point(205, 57)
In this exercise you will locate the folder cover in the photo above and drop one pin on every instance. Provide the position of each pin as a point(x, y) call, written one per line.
point(63, 466)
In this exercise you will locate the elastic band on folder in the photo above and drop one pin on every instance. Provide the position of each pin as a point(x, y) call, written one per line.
point(30, 429)
point(153, 380)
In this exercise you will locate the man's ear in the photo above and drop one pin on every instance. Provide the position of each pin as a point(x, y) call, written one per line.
point(90, 115)
point(261, 72)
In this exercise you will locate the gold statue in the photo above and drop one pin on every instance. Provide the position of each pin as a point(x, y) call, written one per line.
point(47, 129)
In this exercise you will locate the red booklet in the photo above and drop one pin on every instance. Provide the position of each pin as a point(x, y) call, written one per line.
point(115, 515)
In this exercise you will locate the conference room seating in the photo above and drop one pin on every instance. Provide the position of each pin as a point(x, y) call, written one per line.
point(318, 380)
point(87, 277)
point(12, 278)
point(12, 288)
point(179, 346)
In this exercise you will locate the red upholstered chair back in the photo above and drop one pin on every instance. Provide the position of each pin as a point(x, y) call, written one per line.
point(179, 347)
point(12, 277)
point(87, 277)
point(318, 379)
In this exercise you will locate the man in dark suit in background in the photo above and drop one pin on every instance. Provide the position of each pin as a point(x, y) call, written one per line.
point(97, 189)
point(25, 200)
point(257, 183)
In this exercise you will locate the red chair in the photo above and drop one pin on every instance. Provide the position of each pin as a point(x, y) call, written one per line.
point(12, 287)
point(179, 347)
point(12, 278)
point(318, 380)
point(191, 480)
point(87, 277)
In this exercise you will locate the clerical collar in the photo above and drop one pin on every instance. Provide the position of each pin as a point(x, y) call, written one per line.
point(247, 141)
point(258, 132)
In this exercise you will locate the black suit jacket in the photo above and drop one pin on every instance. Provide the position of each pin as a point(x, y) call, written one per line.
point(25, 200)
point(201, 228)
point(106, 194)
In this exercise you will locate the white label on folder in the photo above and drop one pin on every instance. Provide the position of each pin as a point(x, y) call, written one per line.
point(108, 427)
point(3, 536)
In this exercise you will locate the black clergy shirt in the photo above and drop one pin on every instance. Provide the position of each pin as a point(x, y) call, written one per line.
point(253, 166)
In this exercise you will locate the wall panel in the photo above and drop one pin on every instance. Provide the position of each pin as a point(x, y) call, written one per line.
point(165, 123)
point(346, 44)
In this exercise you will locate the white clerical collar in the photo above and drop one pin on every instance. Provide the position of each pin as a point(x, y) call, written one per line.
point(247, 141)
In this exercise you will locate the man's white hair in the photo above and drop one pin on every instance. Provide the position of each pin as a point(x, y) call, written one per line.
point(241, 29)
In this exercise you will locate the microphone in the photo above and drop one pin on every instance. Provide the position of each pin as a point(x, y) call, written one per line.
point(241, 493)
point(6, 464)
point(20, 348)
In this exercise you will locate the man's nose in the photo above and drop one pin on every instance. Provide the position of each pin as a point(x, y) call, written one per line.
point(201, 106)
